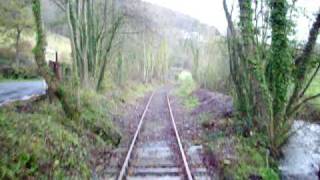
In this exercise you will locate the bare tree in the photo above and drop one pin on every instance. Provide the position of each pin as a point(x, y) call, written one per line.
point(55, 88)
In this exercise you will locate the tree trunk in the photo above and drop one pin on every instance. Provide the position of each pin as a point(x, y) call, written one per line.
point(263, 87)
point(278, 71)
point(108, 49)
point(39, 52)
point(17, 46)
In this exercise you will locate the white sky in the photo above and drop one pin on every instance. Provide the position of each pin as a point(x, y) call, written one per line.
point(211, 12)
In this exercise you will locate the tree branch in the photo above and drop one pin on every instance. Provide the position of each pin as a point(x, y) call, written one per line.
point(310, 81)
point(303, 59)
point(113, 32)
point(301, 65)
point(302, 103)
point(229, 18)
point(60, 4)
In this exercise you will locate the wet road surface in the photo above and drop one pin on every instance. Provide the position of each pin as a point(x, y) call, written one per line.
point(13, 91)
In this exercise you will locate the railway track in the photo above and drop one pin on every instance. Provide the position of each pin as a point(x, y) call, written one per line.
point(152, 157)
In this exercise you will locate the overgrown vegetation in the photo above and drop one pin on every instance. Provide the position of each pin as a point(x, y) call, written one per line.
point(270, 83)
point(61, 137)
point(235, 156)
point(118, 50)
point(186, 86)
point(38, 141)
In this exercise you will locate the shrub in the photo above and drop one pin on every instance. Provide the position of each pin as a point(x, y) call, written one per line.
point(26, 72)
point(186, 87)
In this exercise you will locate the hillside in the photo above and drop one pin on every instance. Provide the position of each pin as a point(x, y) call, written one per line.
point(164, 18)
point(153, 15)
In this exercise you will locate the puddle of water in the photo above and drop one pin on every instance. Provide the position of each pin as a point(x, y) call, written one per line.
point(302, 152)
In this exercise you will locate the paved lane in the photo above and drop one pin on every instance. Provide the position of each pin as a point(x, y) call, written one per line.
point(13, 91)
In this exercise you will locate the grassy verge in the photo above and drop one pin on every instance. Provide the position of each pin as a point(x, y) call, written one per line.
point(38, 142)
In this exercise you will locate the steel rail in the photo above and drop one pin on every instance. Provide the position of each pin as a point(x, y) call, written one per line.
point(126, 162)
point(185, 163)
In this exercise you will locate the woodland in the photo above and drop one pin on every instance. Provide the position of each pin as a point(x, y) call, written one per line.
point(112, 53)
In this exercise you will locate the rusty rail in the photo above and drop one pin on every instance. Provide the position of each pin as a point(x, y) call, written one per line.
point(126, 162)
point(128, 156)
point(185, 163)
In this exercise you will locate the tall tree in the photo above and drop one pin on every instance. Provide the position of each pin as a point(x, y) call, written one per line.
point(55, 88)
point(192, 45)
point(15, 17)
point(93, 26)
point(263, 78)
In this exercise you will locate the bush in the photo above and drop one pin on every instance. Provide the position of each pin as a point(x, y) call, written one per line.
point(25, 72)
point(186, 87)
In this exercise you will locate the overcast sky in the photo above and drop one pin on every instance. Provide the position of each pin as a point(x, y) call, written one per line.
point(211, 12)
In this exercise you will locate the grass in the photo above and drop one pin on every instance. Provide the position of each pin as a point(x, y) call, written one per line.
point(253, 159)
point(238, 157)
point(315, 89)
point(136, 91)
point(38, 142)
